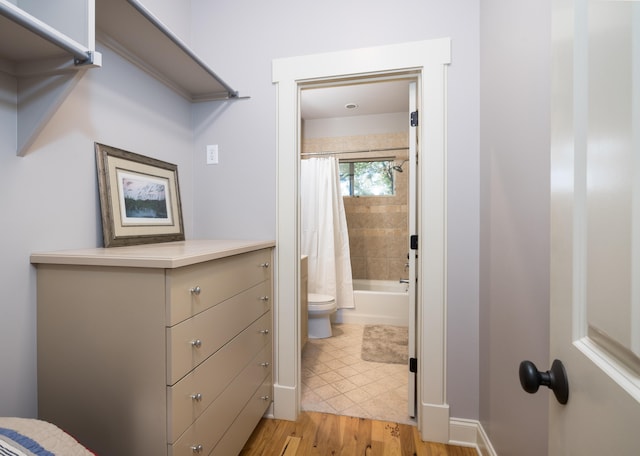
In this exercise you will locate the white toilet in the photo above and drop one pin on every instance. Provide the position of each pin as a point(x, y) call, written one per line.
point(320, 309)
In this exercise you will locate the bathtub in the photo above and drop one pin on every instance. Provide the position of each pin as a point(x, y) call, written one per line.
point(377, 302)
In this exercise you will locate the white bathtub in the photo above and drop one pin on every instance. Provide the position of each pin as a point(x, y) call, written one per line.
point(377, 302)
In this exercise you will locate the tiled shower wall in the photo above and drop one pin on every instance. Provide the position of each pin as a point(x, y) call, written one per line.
point(378, 225)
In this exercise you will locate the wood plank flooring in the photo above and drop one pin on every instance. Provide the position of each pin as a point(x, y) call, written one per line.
point(322, 434)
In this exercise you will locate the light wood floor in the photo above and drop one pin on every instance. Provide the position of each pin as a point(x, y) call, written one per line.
point(322, 434)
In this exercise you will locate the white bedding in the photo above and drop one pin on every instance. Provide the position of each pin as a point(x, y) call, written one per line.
point(30, 437)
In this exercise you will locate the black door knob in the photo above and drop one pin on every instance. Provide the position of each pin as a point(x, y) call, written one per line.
point(555, 378)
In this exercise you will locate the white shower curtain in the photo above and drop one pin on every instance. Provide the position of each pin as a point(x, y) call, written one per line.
point(324, 230)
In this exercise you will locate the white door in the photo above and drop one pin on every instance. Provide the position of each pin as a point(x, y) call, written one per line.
point(413, 230)
point(595, 226)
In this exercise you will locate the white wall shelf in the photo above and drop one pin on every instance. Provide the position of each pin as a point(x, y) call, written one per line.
point(46, 62)
point(25, 38)
point(131, 30)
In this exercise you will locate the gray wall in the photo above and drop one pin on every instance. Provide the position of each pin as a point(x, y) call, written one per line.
point(498, 186)
point(49, 198)
point(242, 38)
point(514, 255)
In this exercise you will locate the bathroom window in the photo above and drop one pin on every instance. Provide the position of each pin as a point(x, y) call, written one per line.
point(366, 178)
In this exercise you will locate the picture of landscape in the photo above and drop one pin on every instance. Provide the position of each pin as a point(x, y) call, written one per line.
point(139, 198)
point(144, 197)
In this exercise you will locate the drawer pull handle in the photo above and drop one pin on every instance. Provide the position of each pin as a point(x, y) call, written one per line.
point(267, 364)
point(264, 298)
point(265, 398)
point(265, 265)
point(264, 331)
point(196, 397)
point(196, 343)
point(197, 448)
point(195, 290)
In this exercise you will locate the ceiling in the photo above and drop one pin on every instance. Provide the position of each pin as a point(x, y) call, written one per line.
point(370, 98)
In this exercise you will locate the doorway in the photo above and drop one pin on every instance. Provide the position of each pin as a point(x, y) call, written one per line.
point(365, 126)
point(428, 61)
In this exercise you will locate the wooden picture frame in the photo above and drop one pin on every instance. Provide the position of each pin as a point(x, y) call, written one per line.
point(139, 198)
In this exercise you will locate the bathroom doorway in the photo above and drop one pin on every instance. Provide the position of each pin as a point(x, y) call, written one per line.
point(428, 61)
point(364, 370)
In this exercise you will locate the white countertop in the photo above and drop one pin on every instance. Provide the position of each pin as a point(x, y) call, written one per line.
point(161, 255)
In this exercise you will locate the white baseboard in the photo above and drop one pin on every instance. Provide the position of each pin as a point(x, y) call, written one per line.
point(470, 433)
point(434, 422)
point(285, 402)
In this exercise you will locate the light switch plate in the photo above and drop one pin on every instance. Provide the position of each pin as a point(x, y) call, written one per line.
point(212, 154)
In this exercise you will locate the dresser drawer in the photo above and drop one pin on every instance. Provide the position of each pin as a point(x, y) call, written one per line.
point(207, 430)
point(192, 289)
point(194, 340)
point(235, 438)
point(211, 378)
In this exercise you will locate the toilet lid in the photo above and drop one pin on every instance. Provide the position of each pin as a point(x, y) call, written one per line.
point(319, 298)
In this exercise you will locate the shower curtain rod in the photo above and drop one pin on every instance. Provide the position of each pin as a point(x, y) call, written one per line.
point(353, 151)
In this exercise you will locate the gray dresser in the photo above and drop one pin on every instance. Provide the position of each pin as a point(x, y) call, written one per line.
point(162, 349)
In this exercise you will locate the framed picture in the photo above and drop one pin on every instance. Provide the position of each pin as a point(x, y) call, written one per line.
point(139, 198)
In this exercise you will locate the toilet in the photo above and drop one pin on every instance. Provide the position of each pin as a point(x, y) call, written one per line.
point(320, 309)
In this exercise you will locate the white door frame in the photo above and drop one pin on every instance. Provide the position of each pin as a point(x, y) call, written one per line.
point(412, 255)
point(429, 60)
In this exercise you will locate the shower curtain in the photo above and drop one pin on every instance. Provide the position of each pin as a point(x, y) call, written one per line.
point(324, 230)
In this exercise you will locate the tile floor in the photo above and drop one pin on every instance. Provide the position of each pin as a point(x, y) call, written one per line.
point(336, 380)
